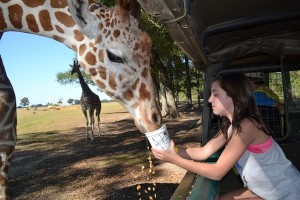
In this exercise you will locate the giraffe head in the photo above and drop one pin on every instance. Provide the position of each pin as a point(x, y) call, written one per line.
point(117, 56)
point(75, 67)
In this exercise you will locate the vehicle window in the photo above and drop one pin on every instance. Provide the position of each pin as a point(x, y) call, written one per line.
point(277, 95)
point(295, 87)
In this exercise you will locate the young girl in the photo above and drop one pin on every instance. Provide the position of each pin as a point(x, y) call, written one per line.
point(263, 167)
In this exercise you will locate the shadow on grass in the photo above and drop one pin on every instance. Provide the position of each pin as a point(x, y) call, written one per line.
point(55, 159)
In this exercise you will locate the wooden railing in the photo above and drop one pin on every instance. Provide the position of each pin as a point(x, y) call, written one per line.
point(196, 187)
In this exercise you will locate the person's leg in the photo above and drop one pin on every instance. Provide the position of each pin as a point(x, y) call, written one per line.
point(239, 194)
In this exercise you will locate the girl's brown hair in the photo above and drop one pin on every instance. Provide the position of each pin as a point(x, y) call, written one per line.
point(238, 87)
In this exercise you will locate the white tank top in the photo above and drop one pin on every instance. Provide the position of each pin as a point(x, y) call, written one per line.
point(266, 171)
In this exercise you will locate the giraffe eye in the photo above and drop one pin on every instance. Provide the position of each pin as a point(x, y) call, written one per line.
point(113, 57)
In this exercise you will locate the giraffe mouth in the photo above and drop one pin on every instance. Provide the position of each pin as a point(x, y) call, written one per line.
point(149, 123)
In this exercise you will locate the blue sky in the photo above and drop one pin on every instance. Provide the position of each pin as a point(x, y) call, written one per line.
point(32, 63)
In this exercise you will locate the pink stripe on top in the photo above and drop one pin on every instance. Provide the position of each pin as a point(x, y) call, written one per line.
point(260, 148)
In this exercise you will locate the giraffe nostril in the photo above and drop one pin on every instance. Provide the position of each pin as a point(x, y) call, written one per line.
point(156, 118)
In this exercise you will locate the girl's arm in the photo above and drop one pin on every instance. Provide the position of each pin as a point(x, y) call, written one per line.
point(203, 153)
point(216, 171)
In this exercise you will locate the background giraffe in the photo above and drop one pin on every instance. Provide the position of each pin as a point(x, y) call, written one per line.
point(8, 123)
point(109, 46)
point(89, 101)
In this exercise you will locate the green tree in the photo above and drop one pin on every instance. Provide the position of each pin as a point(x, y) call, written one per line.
point(70, 101)
point(76, 102)
point(66, 78)
point(24, 102)
point(60, 101)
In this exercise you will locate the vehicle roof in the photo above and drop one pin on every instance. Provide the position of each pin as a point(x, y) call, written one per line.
point(237, 33)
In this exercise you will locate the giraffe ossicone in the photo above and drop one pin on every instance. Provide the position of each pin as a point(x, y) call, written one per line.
point(109, 46)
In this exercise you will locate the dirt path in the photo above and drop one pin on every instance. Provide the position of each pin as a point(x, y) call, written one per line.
point(63, 165)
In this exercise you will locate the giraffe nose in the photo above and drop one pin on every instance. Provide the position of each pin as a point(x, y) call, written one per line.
point(148, 117)
point(156, 118)
point(155, 121)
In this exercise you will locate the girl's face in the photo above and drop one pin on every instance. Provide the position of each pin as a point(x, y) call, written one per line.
point(222, 104)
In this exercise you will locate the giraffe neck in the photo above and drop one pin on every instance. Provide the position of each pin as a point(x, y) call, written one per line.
point(8, 115)
point(84, 86)
point(109, 46)
point(49, 18)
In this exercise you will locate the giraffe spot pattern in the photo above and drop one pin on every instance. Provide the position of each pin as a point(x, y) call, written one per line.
point(112, 82)
point(6, 169)
point(92, 71)
point(82, 49)
point(59, 29)
point(100, 26)
point(65, 19)
point(90, 58)
point(45, 20)
point(32, 25)
point(101, 55)
point(4, 1)
point(3, 109)
point(145, 42)
point(102, 72)
point(144, 93)
point(134, 86)
point(58, 4)
point(100, 84)
point(91, 1)
point(33, 4)
point(116, 33)
point(3, 24)
point(58, 38)
point(120, 77)
point(82, 65)
point(136, 47)
point(2, 179)
point(78, 35)
point(145, 73)
point(6, 135)
point(15, 13)
point(112, 25)
point(128, 95)
point(74, 47)
point(112, 95)
point(99, 39)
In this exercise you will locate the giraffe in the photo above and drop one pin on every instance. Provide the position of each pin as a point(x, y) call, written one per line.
point(88, 101)
point(108, 44)
point(8, 123)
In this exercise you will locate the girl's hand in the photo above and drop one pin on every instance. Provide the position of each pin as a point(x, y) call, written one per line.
point(168, 155)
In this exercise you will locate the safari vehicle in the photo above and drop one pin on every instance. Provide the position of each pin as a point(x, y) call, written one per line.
point(261, 36)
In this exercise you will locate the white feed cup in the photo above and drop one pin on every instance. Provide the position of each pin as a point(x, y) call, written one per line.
point(159, 138)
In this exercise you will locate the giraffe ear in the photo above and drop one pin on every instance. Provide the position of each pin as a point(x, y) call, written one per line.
point(124, 5)
point(127, 7)
point(79, 10)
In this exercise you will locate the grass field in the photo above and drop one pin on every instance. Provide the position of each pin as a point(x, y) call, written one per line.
point(68, 117)
point(53, 159)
